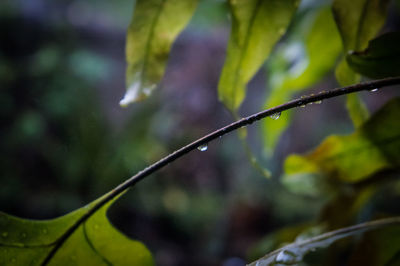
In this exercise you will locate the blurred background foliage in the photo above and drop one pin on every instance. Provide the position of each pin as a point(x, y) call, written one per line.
point(65, 140)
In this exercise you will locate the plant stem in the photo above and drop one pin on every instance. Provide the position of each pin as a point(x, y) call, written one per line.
point(371, 85)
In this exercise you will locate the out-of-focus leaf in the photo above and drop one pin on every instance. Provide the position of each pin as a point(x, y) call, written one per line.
point(381, 247)
point(357, 110)
point(371, 148)
point(279, 237)
point(154, 27)
point(256, 26)
point(358, 22)
point(294, 253)
point(380, 59)
point(94, 242)
point(311, 63)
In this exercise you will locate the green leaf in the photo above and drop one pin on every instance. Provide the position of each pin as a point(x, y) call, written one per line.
point(312, 62)
point(359, 21)
point(154, 27)
point(256, 26)
point(380, 59)
point(352, 158)
point(294, 253)
point(94, 242)
point(355, 106)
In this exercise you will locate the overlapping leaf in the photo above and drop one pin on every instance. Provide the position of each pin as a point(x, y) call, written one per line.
point(94, 242)
point(154, 27)
point(308, 65)
point(373, 147)
point(358, 22)
point(380, 59)
point(256, 26)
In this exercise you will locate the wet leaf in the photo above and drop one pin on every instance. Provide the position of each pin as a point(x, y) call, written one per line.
point(293, 253)
point(256, 26)
point(307, 67)
point(358, 22)
point(95, 242)
point(380, 59)
point(371, 148)
point(154, 27)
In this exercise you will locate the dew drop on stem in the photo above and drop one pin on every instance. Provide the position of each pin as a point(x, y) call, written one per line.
point(373, 90)
point(203, 147)
point(275, 116)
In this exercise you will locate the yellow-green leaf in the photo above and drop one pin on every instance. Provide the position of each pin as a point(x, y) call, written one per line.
point(154, 27)
point(322, 46)
point(256, 26)
point(371, 148)
point(359, 21)
point(94, 242)
point(380, 59)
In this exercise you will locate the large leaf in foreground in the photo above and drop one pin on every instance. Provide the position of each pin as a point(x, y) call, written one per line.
point(256, 26)
point(294, 253)
point(373, 147)
point(154, 27)
point(308, 65)
point(94, 242)
point(358, 22)
point(380, 59)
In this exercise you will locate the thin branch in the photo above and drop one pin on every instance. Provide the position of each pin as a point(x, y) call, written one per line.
point(371, 85)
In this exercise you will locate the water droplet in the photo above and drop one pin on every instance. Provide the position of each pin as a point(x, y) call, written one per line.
point(203, 147)
point(281, 31)
point(4, 234)
point(286, 257)
point(374, 90)
point(303, 105)
point(275, 116)
point(318, 102)
point(44, 231)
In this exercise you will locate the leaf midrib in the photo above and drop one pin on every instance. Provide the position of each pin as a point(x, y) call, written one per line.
point(148, 43)
point(245, 46)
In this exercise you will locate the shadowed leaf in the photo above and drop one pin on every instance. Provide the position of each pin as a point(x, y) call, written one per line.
point(154, 27)
point(256, 26)
point(294, 253)
point(94, 242)
point(380, 59)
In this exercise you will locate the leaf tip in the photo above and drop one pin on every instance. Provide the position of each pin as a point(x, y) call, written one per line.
point(135, 93)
